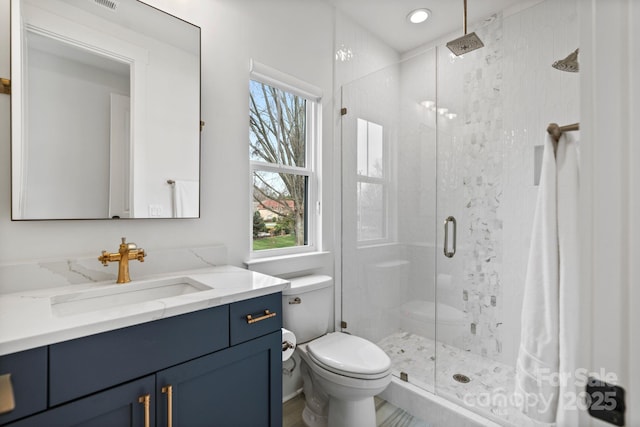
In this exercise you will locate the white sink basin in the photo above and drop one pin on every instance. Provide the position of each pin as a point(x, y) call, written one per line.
point(123, 295)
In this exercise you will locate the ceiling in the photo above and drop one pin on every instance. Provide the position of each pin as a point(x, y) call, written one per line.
point(388, 18)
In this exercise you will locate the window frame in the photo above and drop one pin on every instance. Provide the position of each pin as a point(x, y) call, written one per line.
point(383, 181)
point(264, 74)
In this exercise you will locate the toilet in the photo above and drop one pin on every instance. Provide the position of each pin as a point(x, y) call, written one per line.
point(340, 372)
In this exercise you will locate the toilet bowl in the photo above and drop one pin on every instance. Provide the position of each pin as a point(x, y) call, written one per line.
point(340, 372)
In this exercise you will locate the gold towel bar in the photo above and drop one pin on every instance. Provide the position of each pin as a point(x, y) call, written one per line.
point(555, 131)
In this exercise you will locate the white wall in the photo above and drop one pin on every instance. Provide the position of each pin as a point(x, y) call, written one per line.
point(535, 95)
point(59, 150)
point(232, 33)
point(610, 196)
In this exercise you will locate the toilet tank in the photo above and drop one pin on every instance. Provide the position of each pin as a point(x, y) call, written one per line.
point(308, 306)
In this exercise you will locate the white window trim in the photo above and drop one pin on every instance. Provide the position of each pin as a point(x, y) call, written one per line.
point(384, 181)
point(275, 78)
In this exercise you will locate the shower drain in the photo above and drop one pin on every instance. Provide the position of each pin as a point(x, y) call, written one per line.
point(461, 378)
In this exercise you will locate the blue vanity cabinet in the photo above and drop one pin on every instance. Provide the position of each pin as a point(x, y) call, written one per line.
point(96, 362)
point(27, 371)
point(237, 387)
point(187, 366)
point(122, 406)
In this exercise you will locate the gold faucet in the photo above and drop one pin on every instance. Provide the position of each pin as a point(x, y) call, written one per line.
point(126, 252)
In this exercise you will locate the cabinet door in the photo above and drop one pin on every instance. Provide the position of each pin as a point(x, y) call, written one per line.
point(119, 406)
point(28, 373)
point(237, 387)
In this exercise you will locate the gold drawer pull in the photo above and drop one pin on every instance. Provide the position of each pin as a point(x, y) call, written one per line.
point(145, 400)
point(7, 400)
point(169, 391)
point(267, 315)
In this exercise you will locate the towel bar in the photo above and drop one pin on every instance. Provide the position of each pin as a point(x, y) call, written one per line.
point(555, 131)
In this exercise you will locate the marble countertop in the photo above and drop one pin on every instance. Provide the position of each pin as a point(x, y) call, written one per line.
point(27, 319)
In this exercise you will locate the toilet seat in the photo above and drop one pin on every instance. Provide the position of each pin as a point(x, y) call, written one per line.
point(350, 356)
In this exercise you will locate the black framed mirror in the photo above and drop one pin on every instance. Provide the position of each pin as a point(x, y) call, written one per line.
point(105, 111)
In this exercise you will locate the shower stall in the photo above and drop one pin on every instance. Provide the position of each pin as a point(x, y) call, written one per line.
point(439, 163)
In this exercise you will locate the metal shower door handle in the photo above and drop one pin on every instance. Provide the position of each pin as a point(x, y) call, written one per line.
point(447, 253)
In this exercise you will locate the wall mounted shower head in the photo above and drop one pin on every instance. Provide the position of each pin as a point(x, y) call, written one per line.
point(467, 42)
point(570, 63)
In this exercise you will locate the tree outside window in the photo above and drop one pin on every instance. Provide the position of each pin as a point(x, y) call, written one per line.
point(278, 140)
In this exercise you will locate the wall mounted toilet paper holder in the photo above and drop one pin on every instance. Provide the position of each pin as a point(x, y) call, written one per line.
point(286, 345)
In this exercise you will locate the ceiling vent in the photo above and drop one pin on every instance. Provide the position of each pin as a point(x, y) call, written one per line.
point(112, 5)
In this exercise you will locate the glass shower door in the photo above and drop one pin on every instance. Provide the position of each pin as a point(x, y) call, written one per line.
point(389, 213)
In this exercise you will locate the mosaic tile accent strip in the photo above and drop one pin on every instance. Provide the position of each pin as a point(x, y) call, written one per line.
point(479, 152)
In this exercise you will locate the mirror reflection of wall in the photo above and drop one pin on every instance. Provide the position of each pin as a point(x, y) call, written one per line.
point(106, 112)
point(64, 143)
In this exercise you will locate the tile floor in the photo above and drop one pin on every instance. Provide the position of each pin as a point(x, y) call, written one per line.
point(427, 362)
point(387, 415)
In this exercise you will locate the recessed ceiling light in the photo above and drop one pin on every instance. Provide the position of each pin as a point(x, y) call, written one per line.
point(418, 16)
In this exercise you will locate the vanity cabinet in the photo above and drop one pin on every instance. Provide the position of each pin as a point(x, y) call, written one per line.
point(231, 388)
point(27, 372)
point(118, 406)
point(188, 366)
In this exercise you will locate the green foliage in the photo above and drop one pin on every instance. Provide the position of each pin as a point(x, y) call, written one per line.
point(284, 225)
point(258, 224)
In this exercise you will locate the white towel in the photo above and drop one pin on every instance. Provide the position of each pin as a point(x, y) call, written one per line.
point(547, 360)
point(538, 355)
point(567, 159)
point(186, 199)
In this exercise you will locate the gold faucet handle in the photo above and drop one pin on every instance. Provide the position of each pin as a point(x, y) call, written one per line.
point(141, 254)
point(104, 258)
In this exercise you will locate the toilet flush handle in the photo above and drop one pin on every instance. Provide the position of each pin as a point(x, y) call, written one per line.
point(295, 300)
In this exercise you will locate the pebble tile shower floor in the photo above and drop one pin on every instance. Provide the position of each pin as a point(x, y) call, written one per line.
point(487, 391)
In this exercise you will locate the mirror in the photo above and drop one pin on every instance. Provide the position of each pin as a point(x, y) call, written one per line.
point(105, 111)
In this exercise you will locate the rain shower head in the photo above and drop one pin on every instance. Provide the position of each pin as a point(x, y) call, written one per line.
point(570, 63)
point(467, 42)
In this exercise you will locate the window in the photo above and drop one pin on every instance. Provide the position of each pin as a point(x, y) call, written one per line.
point(372, 188)
point(283, 123)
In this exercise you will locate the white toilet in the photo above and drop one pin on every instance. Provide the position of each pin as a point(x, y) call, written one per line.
point(340, 372)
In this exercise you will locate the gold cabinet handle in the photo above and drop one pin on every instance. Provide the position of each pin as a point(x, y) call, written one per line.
point(5, 86)
point(145, 400)
point(267, 315)
point(7, 399)
point(168, 390)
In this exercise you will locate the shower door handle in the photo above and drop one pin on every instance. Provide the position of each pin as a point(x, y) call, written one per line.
point(449, 253)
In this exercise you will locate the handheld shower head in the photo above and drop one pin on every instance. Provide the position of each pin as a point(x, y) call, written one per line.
point(570, 63)
point(467, 42)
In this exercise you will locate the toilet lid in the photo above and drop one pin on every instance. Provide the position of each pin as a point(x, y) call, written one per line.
point(349, 355)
